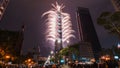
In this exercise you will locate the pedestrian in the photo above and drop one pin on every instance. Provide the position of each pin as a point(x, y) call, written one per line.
point(53, 66)
point(95, 65)
point(76, 65)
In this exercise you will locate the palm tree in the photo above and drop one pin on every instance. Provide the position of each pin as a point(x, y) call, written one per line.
point(110, 21)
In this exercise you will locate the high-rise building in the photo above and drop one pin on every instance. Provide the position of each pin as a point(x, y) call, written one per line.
point(59, 27)
point(87, 31)
point(3, 6)
point(12, 41)
point(116, 4)
point(86, 50)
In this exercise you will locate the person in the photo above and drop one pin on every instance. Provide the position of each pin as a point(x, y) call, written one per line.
point(53, 66)
point(0, 66)
point(76, 65)
point(115, 64)
point(95, 65)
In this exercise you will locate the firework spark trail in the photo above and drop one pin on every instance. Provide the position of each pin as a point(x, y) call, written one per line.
point(55, 15)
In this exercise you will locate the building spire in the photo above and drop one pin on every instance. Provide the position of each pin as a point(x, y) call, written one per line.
point(23, 28)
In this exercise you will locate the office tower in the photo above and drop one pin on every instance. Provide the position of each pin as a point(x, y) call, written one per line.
point(11, 40)
point(116, 4)
point(86, 50)
point(87, 31)
point(3, 6)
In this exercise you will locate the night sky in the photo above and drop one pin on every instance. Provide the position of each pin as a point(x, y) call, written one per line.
point(28, 12)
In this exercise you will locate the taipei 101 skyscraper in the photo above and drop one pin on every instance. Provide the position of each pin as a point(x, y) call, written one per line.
point(59, 28)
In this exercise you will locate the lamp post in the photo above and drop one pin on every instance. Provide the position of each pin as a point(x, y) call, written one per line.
point(7, 56)
point(7, 59)
point(29, 62)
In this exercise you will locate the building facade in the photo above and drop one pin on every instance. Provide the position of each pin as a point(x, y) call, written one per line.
point(86, 50)
point(87, 31)
point(11, 42)
point(116, 4)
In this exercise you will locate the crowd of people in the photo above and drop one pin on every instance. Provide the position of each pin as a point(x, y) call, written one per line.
point(76, 64)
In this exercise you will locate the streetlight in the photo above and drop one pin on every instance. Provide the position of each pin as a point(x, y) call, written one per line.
point(51, 52)
point(7, 59)
point(29, 60)
point(7, 56)
point(118, 45)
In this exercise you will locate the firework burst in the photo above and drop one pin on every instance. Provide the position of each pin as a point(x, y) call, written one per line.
point(58, 24)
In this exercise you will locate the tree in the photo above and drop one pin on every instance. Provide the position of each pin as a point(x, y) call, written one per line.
point(70, 51)
point(6, 50)
point(64, 51)
point(110, 21)
point(116, 50)
point(106, 51)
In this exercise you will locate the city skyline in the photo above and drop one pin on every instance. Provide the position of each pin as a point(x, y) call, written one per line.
point(28, 12)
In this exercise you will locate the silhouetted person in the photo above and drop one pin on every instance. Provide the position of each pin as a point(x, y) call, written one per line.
point(95, 65)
